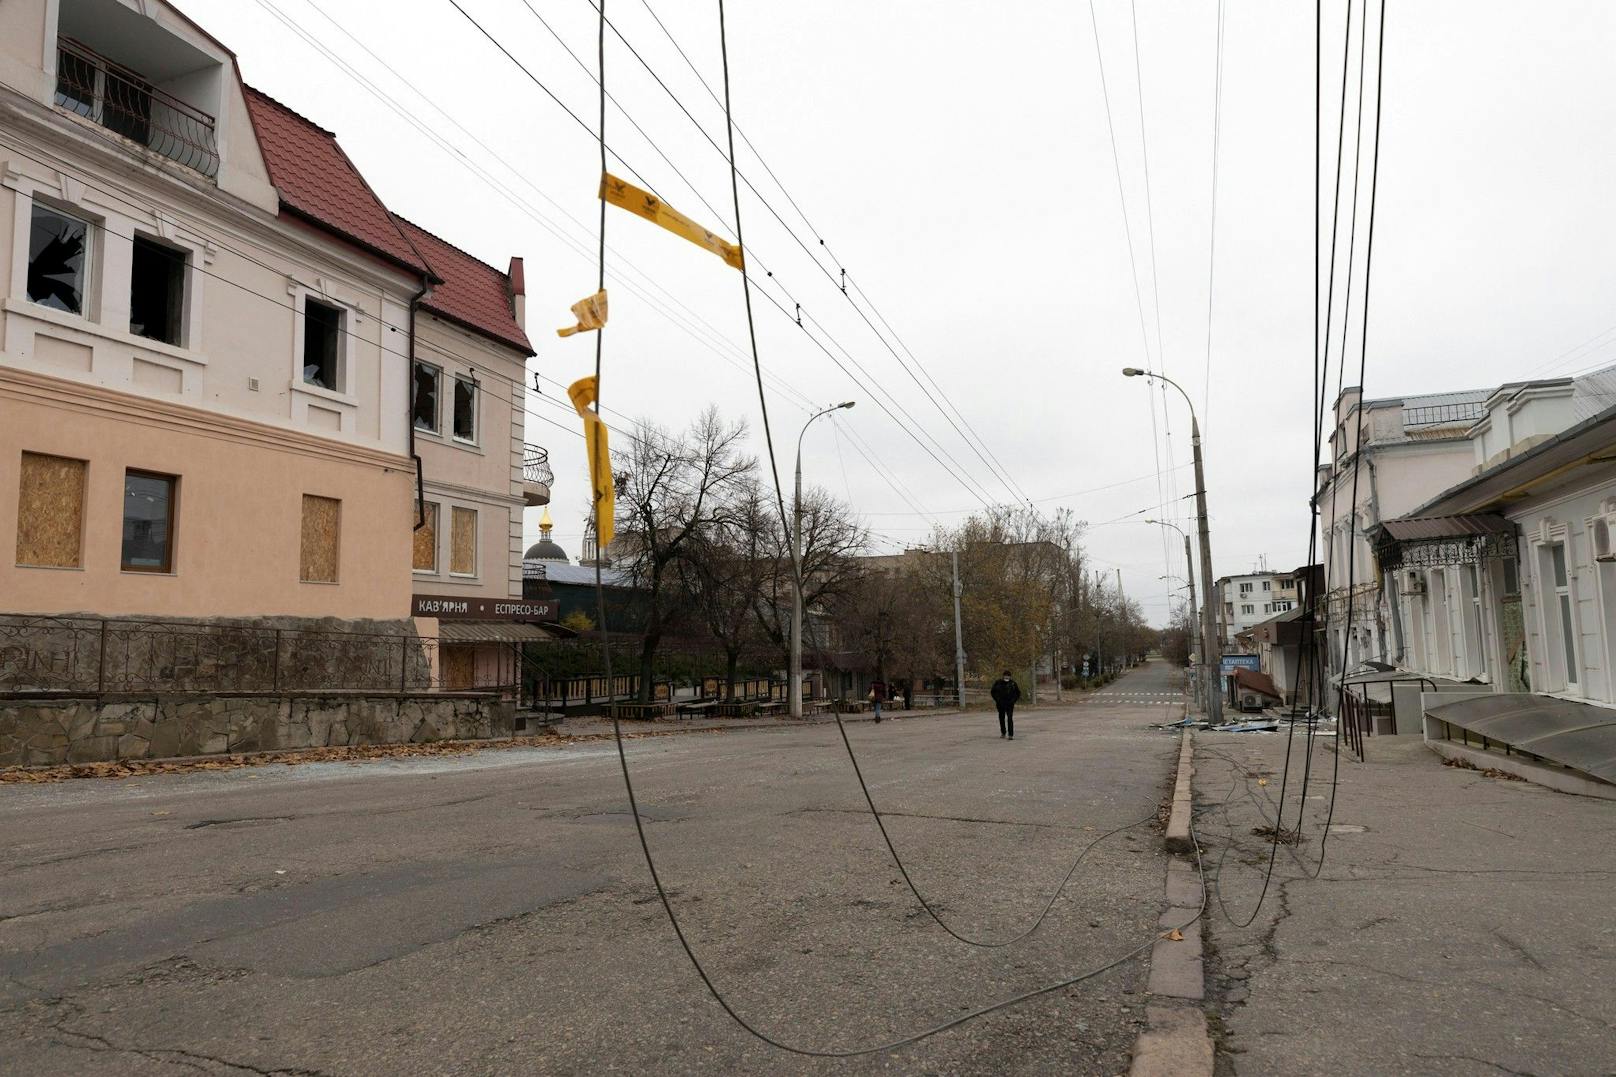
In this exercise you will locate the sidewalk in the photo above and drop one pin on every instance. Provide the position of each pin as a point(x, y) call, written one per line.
point(1461, 924)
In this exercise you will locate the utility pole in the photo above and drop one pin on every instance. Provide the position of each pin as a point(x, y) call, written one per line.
point(1211, 661)
point(1195, 617)
point(959, 638)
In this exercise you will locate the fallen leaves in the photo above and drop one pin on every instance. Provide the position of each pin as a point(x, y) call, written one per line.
point(1490, 772)
point(1175, 935)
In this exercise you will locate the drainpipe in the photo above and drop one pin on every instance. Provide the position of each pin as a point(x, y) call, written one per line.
point(409, 419)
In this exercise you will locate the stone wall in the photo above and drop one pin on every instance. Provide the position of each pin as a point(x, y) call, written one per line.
point(266, 654)
point(110, 727)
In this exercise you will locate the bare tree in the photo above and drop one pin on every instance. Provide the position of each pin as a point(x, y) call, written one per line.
point(831, 541)
point(902, 618)
point(671, 490)
point(724, 569)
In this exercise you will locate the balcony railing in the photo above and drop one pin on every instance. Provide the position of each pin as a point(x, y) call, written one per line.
point(121, 101)
point(536, 465)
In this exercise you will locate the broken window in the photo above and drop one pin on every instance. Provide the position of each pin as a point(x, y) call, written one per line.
point(58, 259)
point(465, 409)
point(426, 539)
point(322, 325)
point(427, 380)
point(156, 291)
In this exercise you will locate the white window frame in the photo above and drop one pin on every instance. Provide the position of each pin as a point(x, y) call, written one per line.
point(436, 429)
point(88, 304)
point(188, 290)
point(1563, 598)
point(343, 373)
point(469, 379)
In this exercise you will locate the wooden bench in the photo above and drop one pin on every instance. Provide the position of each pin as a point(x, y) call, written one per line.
point(695, 708)
point(852, 706)
point(818, 706)
point(773, 707)
point(641, 710)
point(738, 708)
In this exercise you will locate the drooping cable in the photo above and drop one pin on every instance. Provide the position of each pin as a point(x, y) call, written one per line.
point(999, 473)
point(639, 825)
point(1363, 363)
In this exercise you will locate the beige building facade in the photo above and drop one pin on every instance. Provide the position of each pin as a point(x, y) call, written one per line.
point(212, 337)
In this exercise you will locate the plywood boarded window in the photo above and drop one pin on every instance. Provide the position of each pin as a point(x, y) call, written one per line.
point(463, 542)
point(426, 539)
point(50, 511)
point(322, 539)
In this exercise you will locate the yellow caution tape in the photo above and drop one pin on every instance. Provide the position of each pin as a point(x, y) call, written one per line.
point(584, 392)
point(590, 312)
point(625, 195)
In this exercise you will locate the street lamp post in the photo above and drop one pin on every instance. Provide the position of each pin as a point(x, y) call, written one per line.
point(1189, 580)
point(794, 689)
point(1209, 649)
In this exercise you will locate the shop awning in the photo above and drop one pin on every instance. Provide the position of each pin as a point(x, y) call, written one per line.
point(493, 632)
point(1577, 735)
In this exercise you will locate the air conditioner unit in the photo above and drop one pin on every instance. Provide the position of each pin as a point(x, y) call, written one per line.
point(1604, 531)
point(1413, 583)
point(1251, 701)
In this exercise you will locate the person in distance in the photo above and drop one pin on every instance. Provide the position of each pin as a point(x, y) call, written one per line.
point(1005, 692)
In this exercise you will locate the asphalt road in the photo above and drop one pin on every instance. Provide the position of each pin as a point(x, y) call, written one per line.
point(492, 913)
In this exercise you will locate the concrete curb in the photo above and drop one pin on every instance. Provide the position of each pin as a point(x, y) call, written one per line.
point(1176, 1042)
point(1178, 822)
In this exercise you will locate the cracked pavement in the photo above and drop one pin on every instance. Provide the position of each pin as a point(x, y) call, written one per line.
point(1460, 924)
point(490, 913)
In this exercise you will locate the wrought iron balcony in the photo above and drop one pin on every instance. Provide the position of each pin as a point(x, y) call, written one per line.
point(121, 101)
point(536, 475)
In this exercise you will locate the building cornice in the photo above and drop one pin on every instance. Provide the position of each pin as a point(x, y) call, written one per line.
point(47, 391)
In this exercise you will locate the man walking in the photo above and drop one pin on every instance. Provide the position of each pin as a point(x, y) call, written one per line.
point(1005, 692)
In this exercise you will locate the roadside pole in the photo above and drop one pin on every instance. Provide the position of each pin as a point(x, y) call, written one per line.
point(1195, 618)
point(959, 638)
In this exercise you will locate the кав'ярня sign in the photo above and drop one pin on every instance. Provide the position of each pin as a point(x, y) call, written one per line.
point(465, 608)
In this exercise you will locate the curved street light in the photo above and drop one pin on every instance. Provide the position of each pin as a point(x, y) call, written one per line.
point(794, 688)
point(1213, 697)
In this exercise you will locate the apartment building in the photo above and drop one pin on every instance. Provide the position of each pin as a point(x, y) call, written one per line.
point(232, 382)
point(1247, 601)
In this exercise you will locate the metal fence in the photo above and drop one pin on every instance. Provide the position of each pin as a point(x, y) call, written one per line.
point(121, 101)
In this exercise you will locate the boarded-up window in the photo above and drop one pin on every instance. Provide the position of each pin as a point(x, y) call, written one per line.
point(50, 511)
point(463, 542)
point(426, 540)
point(322, 538)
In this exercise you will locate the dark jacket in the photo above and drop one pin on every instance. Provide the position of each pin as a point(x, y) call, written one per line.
point(1005, 692)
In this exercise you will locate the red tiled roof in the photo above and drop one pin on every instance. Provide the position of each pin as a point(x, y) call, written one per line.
point(318, 182)
point(473, 294)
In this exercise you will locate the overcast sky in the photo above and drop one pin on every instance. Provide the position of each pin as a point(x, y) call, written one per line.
point(955, 159)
